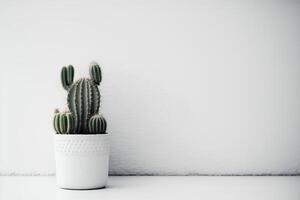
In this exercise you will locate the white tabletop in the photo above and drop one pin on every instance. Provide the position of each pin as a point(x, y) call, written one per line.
point(156, 187)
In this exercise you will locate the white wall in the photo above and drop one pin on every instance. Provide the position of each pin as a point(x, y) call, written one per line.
point(190, 87)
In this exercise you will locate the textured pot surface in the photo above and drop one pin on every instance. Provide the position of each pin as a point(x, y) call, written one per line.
point(81, 160)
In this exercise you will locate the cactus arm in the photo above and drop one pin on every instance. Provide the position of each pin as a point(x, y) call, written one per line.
point(95, 73)
point(63, 76)
point(70, 75)
point(67, 76)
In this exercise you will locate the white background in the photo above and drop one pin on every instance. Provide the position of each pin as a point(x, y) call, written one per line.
point(189, 87)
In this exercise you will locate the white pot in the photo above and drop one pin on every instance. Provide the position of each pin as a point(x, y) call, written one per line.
point(81, 160)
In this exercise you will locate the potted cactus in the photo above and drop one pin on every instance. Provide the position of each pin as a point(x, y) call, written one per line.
point(81, 142)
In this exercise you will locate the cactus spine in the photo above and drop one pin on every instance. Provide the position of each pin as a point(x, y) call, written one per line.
point(83, 103)
point(97, 124)
point(63, 122)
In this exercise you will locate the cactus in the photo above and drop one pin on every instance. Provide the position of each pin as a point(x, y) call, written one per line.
point(83, 102)
point(95, 73)
point(67, 76)
point(83, 99)
point(97, 124)
point(63, 122)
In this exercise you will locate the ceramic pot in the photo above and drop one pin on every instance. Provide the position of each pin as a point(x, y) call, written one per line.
point(81, 160)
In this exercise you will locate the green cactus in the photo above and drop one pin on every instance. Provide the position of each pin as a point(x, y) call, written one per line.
point(97, 124)
point(95, 73)
point(67, 76)
point(83, 97)
point(83, 102)
point(63, 122)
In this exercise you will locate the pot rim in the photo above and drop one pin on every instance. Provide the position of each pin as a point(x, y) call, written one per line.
point(81, 135)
